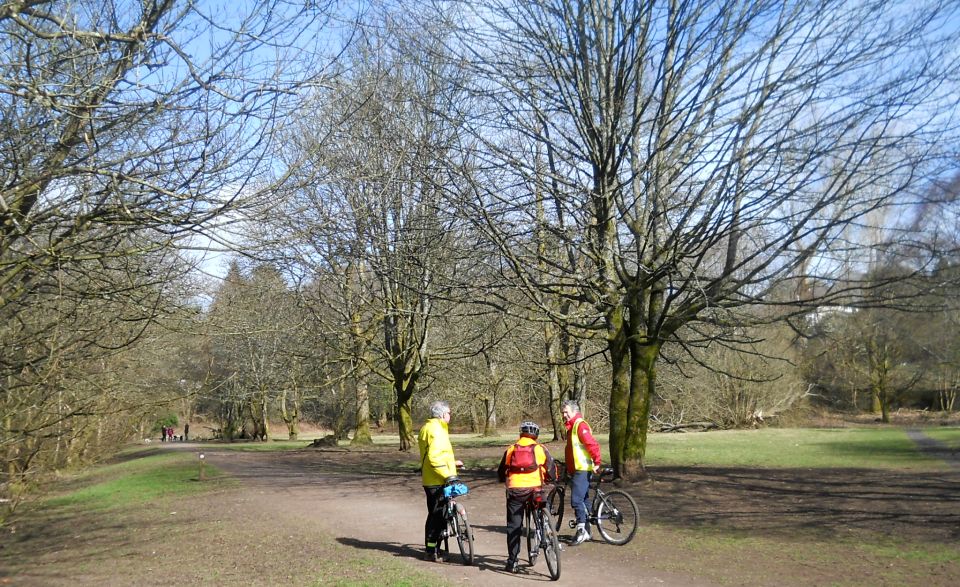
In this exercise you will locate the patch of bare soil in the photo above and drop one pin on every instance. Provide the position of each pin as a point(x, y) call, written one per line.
point(700, 526)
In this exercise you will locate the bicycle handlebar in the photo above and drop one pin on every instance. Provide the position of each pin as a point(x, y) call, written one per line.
point(604, 476)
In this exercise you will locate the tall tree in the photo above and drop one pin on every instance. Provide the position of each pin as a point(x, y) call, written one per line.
point(704, 152)
point(368, 214)
point(128, 127)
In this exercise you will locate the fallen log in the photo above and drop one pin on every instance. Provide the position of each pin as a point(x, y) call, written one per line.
point(667, 427)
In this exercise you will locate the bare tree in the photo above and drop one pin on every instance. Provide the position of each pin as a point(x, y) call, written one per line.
point(367, 217)
point(703, 152)
point(129, 127)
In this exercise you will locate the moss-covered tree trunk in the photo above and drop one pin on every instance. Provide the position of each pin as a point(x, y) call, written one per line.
point(643, 361)
point(290, 413)
point(362, 435)
point(404, 388)
point(405, 424)
point(619, 388)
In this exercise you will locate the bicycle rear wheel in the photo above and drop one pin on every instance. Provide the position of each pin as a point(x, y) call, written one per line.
point(460, 528)
point(550, 544)
point(555, 503)
point(530, 531)
point(617, 517)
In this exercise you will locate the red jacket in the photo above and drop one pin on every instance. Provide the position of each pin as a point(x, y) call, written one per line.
point(586, 438)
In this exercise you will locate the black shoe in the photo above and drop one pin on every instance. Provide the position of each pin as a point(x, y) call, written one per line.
point(512, 567)
point(431, 557)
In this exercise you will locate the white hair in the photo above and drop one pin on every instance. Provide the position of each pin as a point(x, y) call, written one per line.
point(439, 408)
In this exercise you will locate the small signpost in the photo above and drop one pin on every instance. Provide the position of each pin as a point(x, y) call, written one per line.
point(201, 467)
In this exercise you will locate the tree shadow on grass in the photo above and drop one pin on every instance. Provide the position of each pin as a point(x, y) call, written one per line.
point(822, 503)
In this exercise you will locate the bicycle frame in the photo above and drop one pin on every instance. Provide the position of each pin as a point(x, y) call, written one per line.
point(614, 513)
point(541, 534)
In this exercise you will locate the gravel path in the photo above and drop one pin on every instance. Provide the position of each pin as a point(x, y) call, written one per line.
point(385, 512)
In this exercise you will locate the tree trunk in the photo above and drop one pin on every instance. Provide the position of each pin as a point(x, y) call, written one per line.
point(291, 417)
point(489, 416)
point(619, 390)
point(362, 435)
point(404, 425)
point(404, 390)
point(554, 391)
point(643, 360)
point(579, 391)
point(264, 426)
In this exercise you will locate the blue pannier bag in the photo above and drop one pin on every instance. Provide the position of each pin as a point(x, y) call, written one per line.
point(454, 490)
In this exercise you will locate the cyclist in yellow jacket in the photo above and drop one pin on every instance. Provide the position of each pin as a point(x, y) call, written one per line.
point(438, 467)
point(524, 466)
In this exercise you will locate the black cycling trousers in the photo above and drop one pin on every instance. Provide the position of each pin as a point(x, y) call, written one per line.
point(435, 523)
point(515, 500)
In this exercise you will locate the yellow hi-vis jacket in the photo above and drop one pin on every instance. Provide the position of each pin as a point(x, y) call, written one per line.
point(436, 453)
point(582, 450)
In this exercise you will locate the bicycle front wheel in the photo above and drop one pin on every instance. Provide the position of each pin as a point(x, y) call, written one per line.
point(460, 528)
point(555, 504)
point(617, 517)
point(550, 544)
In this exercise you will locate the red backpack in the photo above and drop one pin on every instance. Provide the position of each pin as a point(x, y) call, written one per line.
point(523, 459)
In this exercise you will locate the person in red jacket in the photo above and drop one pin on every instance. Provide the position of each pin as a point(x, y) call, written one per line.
point(583, 457)
point(524, 466)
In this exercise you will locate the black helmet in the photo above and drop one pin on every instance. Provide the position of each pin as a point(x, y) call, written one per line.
point(529, 429)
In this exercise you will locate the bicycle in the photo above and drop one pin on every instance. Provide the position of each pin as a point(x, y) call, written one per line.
point(541, 535)
point(457, 524)
point(613, 512)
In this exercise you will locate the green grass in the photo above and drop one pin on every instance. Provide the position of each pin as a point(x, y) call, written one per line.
point(930, 553)
point(282, 444)
point(885, 448)
point(948, 436)
point(363, 571)
point(859, 448)
point(140, 480)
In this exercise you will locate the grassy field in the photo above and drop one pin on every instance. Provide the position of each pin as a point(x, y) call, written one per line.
point(138, 479)
point(857, 448)
point(948, 436)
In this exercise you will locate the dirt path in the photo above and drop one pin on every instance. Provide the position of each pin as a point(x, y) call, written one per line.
point(384, 512)
point(327, 517)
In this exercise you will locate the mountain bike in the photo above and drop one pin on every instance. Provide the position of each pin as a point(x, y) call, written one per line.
point(540, 533)
point(457, 524)
point(613, 512)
